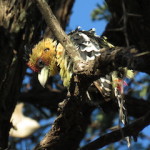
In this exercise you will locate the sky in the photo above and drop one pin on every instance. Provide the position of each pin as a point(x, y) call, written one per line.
point(81, 16)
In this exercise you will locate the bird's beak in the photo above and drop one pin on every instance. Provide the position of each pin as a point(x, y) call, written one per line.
point(43, 75)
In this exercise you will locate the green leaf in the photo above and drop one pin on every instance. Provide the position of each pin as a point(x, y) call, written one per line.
point(143, 92)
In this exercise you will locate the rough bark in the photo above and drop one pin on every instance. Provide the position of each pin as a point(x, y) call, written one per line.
point(20, 25)
point(112, 59)
point(69, 127)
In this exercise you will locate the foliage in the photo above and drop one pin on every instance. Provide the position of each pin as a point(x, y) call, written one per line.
point(140, 87)
point(101, 12)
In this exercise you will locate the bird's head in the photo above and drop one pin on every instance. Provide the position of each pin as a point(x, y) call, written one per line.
point(43, 60)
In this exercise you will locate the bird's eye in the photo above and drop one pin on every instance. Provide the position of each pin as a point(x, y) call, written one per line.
point(46, 49)
point(40, 63)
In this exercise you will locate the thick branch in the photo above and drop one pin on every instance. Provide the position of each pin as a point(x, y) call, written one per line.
point(50, 100)
point(69, 127)
point(130, 130)
point(111, 59)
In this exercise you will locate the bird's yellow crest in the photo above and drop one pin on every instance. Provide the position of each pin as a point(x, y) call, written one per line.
point(50, 56)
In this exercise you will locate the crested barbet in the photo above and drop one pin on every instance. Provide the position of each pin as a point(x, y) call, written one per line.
point(49, 58)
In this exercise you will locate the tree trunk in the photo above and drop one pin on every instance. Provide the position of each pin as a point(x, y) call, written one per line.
point(20, 25)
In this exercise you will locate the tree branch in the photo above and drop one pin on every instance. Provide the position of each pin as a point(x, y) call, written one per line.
point(57, 31)
point(130, 130)
point(141, 107)
point(112, 59)
point(69, 127)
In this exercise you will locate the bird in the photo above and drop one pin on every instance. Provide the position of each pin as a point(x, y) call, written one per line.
point(22, 126)
point(49, 58)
